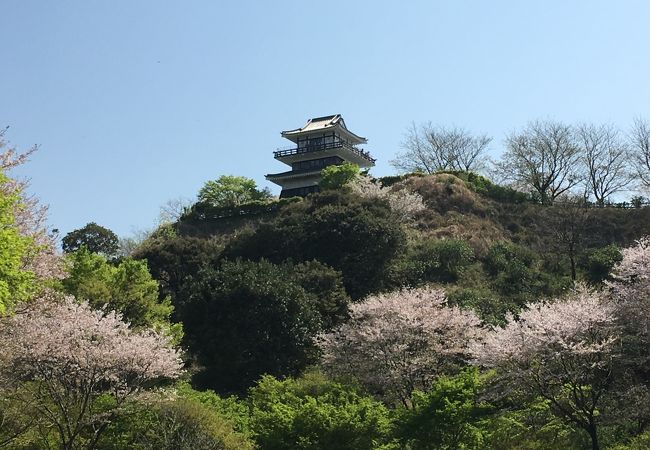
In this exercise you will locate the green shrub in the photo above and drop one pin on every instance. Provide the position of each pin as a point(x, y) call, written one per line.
point(174, 424)
point(315, 413)
point(446, 417)
point(487, 188)
point(489, 306)
point(641, 442)
point(337, 176)
point(601, 261)
point(432, 260)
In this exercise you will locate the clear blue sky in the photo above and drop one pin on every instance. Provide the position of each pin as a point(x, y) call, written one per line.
point(137, 102)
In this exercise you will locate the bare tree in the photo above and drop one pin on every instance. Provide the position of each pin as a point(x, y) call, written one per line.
point(430, 149)
point(605, 157)
point(640, 141)
point(568, 219)
point(542, 158)
point(173, 209)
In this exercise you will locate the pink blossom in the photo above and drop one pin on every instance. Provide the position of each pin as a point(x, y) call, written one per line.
point(72, 354)
point(401, 341)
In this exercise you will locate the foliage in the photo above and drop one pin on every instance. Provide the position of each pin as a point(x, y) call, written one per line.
point(75, 366)
point(28, 258)
point(398, 342)
point(515, 271)
point(202, 211)
point(630, 292)
point(176, 423)
point(448, 416)
point(174, 259)
point(641, 442)
point(16, 282)
point(29, 218)
point(442, 260)
point(127, 289)
point(600, 262)
point(488, 305)
point(356, 236)
point(94, 238)
point(231, 191)
point(530, 425)
point(326, 288)
point(314, 413)
point(337, 176)
point(244, 319)
point(487, 188)
point(562, 351)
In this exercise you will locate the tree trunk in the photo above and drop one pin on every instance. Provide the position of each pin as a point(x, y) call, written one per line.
point(594, 436)
point(573, 264)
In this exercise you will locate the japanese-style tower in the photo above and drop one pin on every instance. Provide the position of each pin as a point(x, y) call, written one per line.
point(322, 142)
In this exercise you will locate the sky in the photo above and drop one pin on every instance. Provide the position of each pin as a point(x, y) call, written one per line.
point(134, 103)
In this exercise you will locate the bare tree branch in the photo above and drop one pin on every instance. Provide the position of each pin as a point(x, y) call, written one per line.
point(430, 149)
point(542, 158)
point(640, 141)
point(605, 157)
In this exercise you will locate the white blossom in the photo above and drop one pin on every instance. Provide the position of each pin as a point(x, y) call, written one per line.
point(401, 341)
point(402, 201)
point(70, 354)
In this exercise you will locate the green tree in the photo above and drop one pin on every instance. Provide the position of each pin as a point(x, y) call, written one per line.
point(530, 425)
point(172, 260)
point(356, 236)
point(95, 238)
point(126, 288)
point(315, 413)
point(231, 191)
point(326, 287)
point(446, 417)
point(244, 319)
point(515, 272)
point(433, 260)
point(600, 262)
point(16, 282)
point(337, 176)
point(179, 423)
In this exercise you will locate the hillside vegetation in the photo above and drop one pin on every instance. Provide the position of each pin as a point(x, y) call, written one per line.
point(422, 311)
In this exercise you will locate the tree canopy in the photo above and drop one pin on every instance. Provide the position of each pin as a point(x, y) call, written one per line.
point(231, 191)
point(95, 238)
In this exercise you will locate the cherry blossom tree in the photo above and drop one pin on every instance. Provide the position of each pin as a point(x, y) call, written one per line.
point(630, 291)
point(30, 217)
point(563, 351)
point(403, 202)
point(60, 356)
point(398, 342)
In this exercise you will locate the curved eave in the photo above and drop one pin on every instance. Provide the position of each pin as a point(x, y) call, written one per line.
point(292, 174)
point(293, 135)
point(281, 179)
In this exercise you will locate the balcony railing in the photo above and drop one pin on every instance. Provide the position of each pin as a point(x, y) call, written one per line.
point(323, 146)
